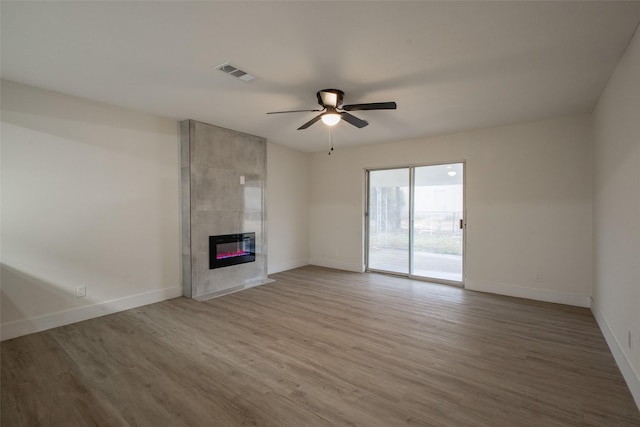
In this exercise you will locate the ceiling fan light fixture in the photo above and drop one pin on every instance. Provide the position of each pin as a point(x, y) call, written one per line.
point(331, 119)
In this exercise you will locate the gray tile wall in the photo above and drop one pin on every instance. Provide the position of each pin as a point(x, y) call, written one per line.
point(215, 202)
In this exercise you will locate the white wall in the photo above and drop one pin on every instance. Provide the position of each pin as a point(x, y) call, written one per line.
point(90, 196)
point(616, 291)
point(528, 194)
point(288, 173)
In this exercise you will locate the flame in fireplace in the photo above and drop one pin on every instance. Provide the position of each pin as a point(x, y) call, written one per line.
point(239, 252)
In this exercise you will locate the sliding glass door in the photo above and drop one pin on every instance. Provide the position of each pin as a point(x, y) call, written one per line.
point(415, 221)
point(389, 220)
point(437, 226)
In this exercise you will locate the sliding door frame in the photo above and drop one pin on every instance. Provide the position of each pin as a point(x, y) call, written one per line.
point(412, 168)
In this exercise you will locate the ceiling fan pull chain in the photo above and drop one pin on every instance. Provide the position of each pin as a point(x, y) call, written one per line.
point(330, 140)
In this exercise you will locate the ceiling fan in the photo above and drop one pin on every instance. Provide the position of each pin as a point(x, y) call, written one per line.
point(333, 111)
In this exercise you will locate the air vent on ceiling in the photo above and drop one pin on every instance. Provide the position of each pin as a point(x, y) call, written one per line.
point(235, 72)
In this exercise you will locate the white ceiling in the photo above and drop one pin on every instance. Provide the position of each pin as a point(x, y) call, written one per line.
point(450, 66)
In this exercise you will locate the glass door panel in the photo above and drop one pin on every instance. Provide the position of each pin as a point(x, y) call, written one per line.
point(388, 237)
point(437, 215)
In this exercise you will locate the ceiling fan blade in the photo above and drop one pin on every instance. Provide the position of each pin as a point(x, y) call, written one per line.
point(293, 111)
point(349, 118)
point(310, 122)
point(370, 106)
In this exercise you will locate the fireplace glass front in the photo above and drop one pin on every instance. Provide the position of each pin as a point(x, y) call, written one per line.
point(231, 249)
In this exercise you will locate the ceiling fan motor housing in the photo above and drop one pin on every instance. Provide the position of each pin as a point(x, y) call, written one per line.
point(330, 97)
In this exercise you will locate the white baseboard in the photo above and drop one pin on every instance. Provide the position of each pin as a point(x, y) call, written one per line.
point(529, 293)
point(338, 265)
point(288, 265)
point(73, 315)
point(630, 375)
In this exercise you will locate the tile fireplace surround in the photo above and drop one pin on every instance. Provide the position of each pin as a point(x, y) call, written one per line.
point(223, 192)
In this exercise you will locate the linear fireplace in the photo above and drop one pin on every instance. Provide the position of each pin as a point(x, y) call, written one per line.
point(231, 249)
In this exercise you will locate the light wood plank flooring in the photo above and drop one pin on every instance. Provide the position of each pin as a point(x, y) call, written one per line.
point(321, 347)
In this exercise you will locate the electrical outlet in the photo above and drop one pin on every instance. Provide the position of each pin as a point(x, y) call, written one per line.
point(539, 277)
point(81, 291)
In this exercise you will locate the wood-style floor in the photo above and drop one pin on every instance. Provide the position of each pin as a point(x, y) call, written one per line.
point(321, 347)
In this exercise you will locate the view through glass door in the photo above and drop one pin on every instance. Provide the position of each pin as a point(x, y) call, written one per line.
point(415, 219)
point(389, 220)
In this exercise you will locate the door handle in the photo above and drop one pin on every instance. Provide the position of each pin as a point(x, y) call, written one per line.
point(461, 223)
